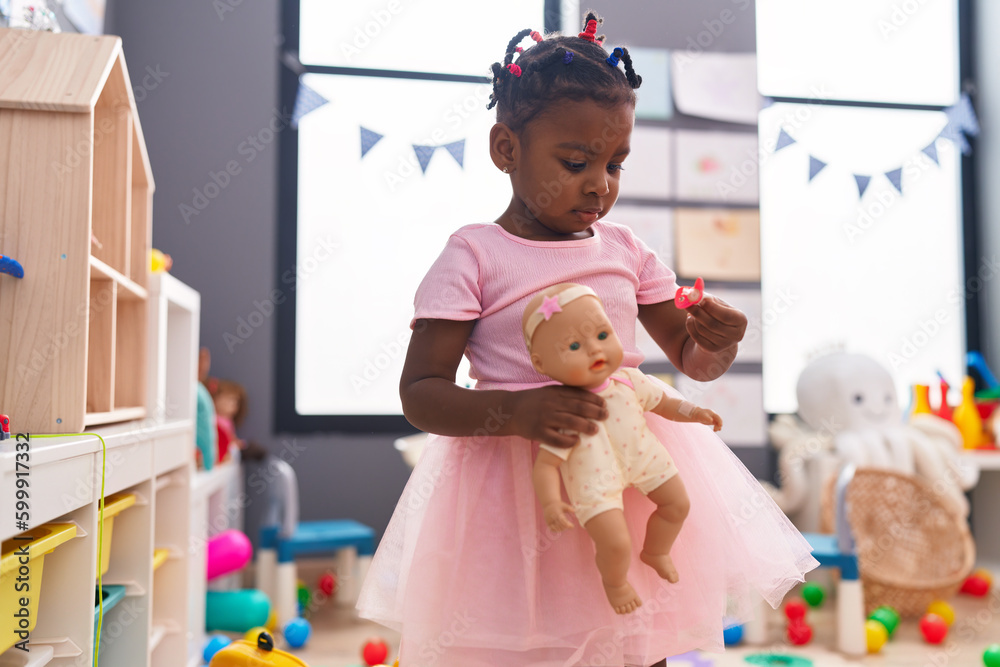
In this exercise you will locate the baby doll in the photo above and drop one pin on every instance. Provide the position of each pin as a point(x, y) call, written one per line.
point(230, 408)
point(571, 340)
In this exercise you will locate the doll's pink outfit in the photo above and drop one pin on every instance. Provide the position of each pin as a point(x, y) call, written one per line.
point(467, 569)
point(624, 452)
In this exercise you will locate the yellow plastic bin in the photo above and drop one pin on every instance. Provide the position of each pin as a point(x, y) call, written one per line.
point(21, 577)
point(113, 506)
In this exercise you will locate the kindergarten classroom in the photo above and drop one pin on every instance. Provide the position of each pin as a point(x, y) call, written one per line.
point(213, 219)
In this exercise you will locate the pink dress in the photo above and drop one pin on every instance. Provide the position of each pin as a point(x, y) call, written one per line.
point(467, 570)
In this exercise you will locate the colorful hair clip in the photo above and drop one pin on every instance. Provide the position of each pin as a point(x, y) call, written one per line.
point(567, 57)
point(590, 33)
point(615, 56)
point(514, 69)
point(535, 35)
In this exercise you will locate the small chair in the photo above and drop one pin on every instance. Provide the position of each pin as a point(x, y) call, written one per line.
point(834, 551)
point(283, 537)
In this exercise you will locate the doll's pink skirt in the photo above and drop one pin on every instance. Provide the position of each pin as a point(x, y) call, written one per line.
point(471, 576)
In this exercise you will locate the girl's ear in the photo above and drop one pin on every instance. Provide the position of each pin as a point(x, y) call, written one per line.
point(536, 361)
point(504, 147)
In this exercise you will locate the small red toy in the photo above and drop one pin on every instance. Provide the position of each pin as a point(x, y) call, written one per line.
point(690, 296)
point(795, 610)
point(375, 651)
point(933, 628)
point(327, 583)
point(4, 427)
point(975, 585)
point(799, 632)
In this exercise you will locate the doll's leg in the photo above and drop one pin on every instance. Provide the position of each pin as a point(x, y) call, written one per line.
point(614, 549)
point(664, 524)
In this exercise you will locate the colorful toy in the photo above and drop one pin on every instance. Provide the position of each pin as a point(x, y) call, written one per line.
point(304, 596)
point(732, 635)
point(255, 654)
point(975, 585)
point(236, 611)
point(795, 610)
point(252, 634)
point(215, 644)
point(982, 573)
point(297, 632)
point(327, 584)
point(375, 651)
point(772, 659)
point(876, 635)
point(921, 400)
point(10, 266)
point(228, 552)
point(159, 261)
point(967, 418)
point(799, 632)
point(942, 609)
point(944, 410)
point(690, 296)
point(4, 428)
point(933, 628)
point(813, 594)
point(888, 617)
point(991, 656)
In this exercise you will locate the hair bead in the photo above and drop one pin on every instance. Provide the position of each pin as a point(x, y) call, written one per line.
point(590, 32)
point(535, 35)
point(514, 69)
point(567, 57)
point(615, 57)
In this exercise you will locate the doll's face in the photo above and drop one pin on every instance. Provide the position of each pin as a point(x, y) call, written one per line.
point(227, 404)
point(578, 346)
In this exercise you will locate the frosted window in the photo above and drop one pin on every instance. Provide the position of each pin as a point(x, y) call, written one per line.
point(896, 51)
point(369, 228)
point(882, 275)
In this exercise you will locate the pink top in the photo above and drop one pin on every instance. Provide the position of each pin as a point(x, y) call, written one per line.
point(485, 273)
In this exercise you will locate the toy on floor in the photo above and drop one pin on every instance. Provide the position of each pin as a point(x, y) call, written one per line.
point(215, 644)
point(236, 611)
point(228, 552)
point(260, 653)
point(933, 628)
point(976, 584)
point(773, 659)
point(304, 596)
point(375, 651)
point(813, 594)
point(254, 632)
point(798, 631)
point(732, 635)
point(297, 632)
point(11, 267)
point(876, 635)
point(887, 617)
point(942, 609)
point(690, 296)
point(327, 584)
point(991, 656)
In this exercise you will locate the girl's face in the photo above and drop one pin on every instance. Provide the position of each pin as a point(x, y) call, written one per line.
point(566, 168)
point(578, 346)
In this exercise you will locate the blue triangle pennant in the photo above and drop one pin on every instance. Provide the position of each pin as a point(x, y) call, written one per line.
point(961, 121)
point(368, 140)
point(956, 136)
point(306, 101)
point(424, 154)
point(862, 182)
point(783, 140)
point(815, 166)
point(896, 178)
point(457, 150)
point(930, 150)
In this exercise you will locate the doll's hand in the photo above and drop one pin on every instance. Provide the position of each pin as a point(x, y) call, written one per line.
point(708, 417)
point(556, 415)
point(715, 325)
point(557, 516)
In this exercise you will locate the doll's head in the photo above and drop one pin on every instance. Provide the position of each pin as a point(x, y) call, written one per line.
point(230, 399)
point(570, 337)
point(560, 67)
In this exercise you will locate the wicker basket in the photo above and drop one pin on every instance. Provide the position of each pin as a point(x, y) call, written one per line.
point(912, 547)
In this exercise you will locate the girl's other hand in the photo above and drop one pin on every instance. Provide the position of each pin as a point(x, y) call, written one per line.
point(709, 418)
point(715, 325)
point(556, 415)
point(557, 516)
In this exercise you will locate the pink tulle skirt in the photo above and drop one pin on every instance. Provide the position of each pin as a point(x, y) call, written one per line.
point(470, 575)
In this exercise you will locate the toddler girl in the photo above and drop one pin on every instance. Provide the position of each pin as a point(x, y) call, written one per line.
point(467, 570)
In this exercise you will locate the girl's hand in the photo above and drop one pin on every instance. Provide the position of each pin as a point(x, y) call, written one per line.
point(557, 516)
point(715, 325)
point(556, 415)
point(708, 417)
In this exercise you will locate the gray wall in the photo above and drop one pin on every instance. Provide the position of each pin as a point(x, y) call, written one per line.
point(206, 78)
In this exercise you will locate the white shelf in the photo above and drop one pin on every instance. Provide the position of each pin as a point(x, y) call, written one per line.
point(986, 459)
point(39, 655)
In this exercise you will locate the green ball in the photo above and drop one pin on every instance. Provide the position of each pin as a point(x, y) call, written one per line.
point(888, 617)
point(991, 656)
point(813, 594)
point(305, 597)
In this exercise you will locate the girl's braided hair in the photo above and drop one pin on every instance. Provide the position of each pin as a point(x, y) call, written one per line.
point(560, 67)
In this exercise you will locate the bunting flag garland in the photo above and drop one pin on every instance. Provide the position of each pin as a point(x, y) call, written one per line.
point(368, 140)
point(815, 166)
point(862, 184)
point(961, 121)
point(306, 101)
point(424, 155)
point(457, 150)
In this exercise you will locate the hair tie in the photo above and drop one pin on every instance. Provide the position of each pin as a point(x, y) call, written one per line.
point(590, 33)
point(514, 69)
point(614, 57)
point(518, 50)
point(567, 57)
point(536, 36)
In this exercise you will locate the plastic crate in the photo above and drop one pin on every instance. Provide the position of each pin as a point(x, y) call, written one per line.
point(113, 506)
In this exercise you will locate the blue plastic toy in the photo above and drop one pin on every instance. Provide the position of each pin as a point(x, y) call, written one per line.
point(297, 632)
point(215, 644)
point(732, 635)
point(8, 265)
